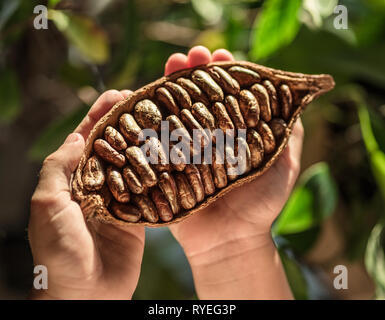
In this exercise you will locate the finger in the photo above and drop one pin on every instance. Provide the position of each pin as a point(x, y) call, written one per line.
point(175, 62)
point(101, 106)
point(55, 174)
point(198, 55)
point(125, 93)
point(222, 55)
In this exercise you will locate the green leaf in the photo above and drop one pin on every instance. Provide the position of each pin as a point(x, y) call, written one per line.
point(312, 201)
point(7, 9)
point(84, 34)
point(376, 156)
point(10, 104)
point(210, 10)
point(53, 3)
point(54, 135)
point(276, 27)
point(375, 259)
point(294, 276)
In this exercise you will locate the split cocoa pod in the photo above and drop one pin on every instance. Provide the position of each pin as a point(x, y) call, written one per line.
point(182, 142)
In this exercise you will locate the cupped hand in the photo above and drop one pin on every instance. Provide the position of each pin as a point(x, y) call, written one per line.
point(94, 261)
point(244, 215)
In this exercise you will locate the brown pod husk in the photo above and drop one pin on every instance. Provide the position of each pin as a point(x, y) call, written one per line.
point(288, 93)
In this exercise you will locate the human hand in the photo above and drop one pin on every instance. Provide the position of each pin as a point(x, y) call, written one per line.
point(84, 260)
point(227, 232)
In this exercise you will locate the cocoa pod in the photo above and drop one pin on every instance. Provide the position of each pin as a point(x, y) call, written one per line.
point(168, 186)
point(93, 174)
point(132, 180)
point(161, 204)
point(249, 107)
point(115, 139)
point(234, 111)
point(117, 186)
point(126, 212)
point(186, 195)
point(130, 129)
point(138, 161)
point(146, 207)
point(108, 153)
point(203, 80)
point(204, 102)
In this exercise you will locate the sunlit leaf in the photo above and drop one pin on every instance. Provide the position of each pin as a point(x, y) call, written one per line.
point(53, 3)
point(294, 276)
point(375, 259)
point(7, 9)
point(319, 9)
point(10, 104)
point(54, 135)
point(312, 201)
point(276, 27)
point(84, 34)
point(376, 156)
point(210, 10)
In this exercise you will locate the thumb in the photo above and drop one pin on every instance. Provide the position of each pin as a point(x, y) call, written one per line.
point(55, 174)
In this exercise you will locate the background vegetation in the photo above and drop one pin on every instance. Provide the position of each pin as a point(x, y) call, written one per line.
point(49, 78)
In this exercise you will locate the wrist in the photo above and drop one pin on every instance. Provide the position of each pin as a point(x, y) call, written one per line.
point(244, 269)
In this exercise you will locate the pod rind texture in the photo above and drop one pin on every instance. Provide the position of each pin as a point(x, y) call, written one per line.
point(97, 204)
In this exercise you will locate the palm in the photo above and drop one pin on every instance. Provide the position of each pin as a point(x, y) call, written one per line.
point(246, 211)
point(77, 257)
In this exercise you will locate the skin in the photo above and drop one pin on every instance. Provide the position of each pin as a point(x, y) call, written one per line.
point(233, 258)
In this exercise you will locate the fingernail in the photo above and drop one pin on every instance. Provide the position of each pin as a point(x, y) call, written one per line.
point(73, 137)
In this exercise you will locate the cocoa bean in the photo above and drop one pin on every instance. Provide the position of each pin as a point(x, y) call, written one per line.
point(168, 186)
point(138, 161)
point(146, 207)
point(263, 99)
point(186, 195)
point(193, 90)
point(161, 204)
point(179, 94)
point(93, 174)
point(195, 180)
point(130, 129)
point(165, 97)
point(227, 82)
point(234, 111)
point(203, 80)
point(256, 147)
point(267, 137)
point(249, 107)
point(147, 115)
point(115, 139)
point(108, 153)
point(126, 212)
point(286, 100)
point(117, 186)
point(245, 77)
point(132, 180)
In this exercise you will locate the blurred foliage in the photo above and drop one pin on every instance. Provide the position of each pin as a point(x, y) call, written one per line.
point(124, 44)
